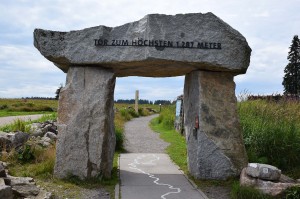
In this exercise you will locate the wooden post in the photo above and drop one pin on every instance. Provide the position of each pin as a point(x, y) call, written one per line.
point(136, 106)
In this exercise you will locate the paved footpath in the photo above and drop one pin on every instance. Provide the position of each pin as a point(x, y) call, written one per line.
point(11, 119)
point(151, 175)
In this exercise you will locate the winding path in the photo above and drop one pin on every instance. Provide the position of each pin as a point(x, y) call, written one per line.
point(146, 171)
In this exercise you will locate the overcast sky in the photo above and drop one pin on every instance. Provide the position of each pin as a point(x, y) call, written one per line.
point(268, 26)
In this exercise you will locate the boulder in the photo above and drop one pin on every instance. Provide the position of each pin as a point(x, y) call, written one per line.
point(35, 126)
point(38, 132)
point(263, 171)
point(5, 141)
point(20, 180)
point(25, 190)
point(267, 187)
point(19, 139)
point(6, 192)
point(51, 135)
point(215, 147)
point(2, 171)
point(286, 179)
point(155, 46)
point(86, 138)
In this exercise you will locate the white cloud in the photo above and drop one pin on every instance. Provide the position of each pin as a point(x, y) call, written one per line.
point(267, 25)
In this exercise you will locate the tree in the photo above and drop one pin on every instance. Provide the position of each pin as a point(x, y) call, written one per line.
point(58, 91)
point(291, 79)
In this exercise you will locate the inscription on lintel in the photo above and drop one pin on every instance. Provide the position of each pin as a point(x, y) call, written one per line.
point(158, 43)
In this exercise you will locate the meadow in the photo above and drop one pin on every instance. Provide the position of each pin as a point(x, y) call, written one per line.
point(13, 107)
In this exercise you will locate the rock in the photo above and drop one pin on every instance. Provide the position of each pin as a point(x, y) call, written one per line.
point(38, 132)
point(267, 187)
point(19, 139)
point(298, 181)
point(2, 182)
point(51, 135)
point(46, 128)
point(44, 195)
point(263, 171)
point(25, 190)
point(216, 149)
point(6, 192)
point(5, 141)
point(86, 138)
point(2, 171)
point(286, 179)
point(36, 125)
point(20, 180)
point(4, 164)
point(73, 48)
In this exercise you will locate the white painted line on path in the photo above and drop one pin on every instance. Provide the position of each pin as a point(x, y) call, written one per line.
point(138, 161)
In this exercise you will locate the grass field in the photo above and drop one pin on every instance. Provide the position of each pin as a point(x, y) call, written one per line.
point(14, 107)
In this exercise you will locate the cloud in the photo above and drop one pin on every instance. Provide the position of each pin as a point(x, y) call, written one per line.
point(267, 25)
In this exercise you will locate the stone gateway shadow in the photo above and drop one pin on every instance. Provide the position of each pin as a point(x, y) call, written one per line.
point(201, 46)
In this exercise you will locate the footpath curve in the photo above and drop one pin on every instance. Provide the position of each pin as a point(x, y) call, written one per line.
point(146, 171)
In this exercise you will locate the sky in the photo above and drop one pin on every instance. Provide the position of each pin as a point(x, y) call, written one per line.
point(267, 25)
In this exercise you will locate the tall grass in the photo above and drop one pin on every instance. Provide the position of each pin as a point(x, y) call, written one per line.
point(271, 132)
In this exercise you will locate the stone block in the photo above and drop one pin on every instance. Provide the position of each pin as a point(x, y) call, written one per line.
point(73, 48)
point(216, 149)
point(86, 137)
point(263, 171)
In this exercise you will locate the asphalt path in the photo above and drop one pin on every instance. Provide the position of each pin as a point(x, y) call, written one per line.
point(147, 172)
point(11, 119)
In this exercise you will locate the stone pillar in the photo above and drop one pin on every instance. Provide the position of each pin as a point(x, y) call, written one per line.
point(136, 104)
point(86, 137)
point(215, 149)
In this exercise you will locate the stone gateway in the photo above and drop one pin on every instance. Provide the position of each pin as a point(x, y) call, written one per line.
point(201, 46)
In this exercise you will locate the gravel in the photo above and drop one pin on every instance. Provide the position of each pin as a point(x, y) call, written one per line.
point(139, 138)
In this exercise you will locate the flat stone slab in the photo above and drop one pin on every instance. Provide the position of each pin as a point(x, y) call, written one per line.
point(155, 46)
point(152, 175)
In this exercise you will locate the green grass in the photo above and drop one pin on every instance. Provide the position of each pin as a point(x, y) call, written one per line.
point(275, 125)
point(264, 123)
point(20, 125)
point(26, 105)
point(177, 148)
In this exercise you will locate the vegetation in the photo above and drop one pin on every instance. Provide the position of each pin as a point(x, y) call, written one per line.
point(275, 124)
point(291, 79)
point(164, 124)
point(36, 161)
point(143, 101)
point(13, 107)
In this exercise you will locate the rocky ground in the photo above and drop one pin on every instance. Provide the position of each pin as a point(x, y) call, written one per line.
point(42, 134)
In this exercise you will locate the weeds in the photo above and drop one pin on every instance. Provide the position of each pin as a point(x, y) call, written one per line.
point(275, 125)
